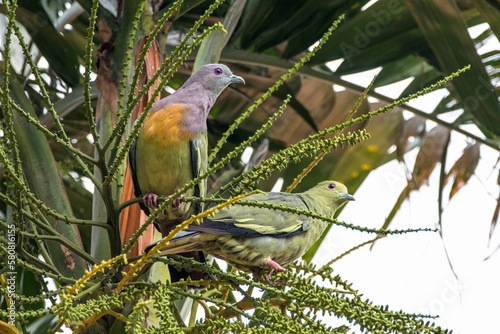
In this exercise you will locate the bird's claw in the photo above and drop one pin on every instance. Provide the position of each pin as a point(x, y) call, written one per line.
point(150, 200)
point(268, 276)
point(177, 202)
point(274, 265)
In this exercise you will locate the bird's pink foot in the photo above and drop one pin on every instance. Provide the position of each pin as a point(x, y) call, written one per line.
point(150, 200)
point(177, 202)
point(273, 265)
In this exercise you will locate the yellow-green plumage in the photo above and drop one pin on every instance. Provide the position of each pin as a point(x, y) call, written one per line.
point(251, 237)
point(169, 170)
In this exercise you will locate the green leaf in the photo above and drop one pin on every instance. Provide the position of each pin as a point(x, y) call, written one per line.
point(42, 324)
point(81, 205)
point(77, 42)
point(216, 128)
point(428, 76)
point(249, 27)
point(490, 13)
point(42, 175)
point(284, 25)
point(454, 49)
point(53, 46)
point(410, 66)
point(378, 54)
point(211, 47)
point(29, 286)
point(316, 18)
point(69, 103)
point(386, 19)
point(301, 23)
point(186, 6)
point(448, 103)
point(52, 7)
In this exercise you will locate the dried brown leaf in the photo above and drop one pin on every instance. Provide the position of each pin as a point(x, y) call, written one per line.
point(464, 167)
point(414, 127)
point(429, 155)
point(132, 217)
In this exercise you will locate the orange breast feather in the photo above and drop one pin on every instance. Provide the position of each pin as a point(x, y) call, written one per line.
point(163, 127)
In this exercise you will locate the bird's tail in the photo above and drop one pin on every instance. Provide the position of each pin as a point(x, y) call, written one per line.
point(183, 242)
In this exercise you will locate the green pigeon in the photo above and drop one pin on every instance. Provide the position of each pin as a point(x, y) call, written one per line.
point(250, 238)
point(171, 148)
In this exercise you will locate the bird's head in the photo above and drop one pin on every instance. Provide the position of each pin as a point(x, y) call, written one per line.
point(216, 77)
point(333, 193)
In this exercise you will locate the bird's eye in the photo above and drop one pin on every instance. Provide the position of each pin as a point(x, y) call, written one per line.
point(218, 71)
point(331, 186)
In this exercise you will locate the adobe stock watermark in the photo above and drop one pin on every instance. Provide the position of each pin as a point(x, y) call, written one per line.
point(10, 276)
point(449, 294)
point(482, 91)
point(363, 35)
point(395, 180)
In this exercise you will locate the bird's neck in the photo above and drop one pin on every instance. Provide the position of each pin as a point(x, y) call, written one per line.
point(195, 120)
point(200, 102)
point(203, 97)
point(318, 205)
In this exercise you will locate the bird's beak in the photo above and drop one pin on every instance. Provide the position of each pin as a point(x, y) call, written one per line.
point(348, 197)
point(237, 79)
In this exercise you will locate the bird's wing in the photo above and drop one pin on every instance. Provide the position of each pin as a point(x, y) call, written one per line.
point(133, 172)
point(254, 221)
point(199, 165)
